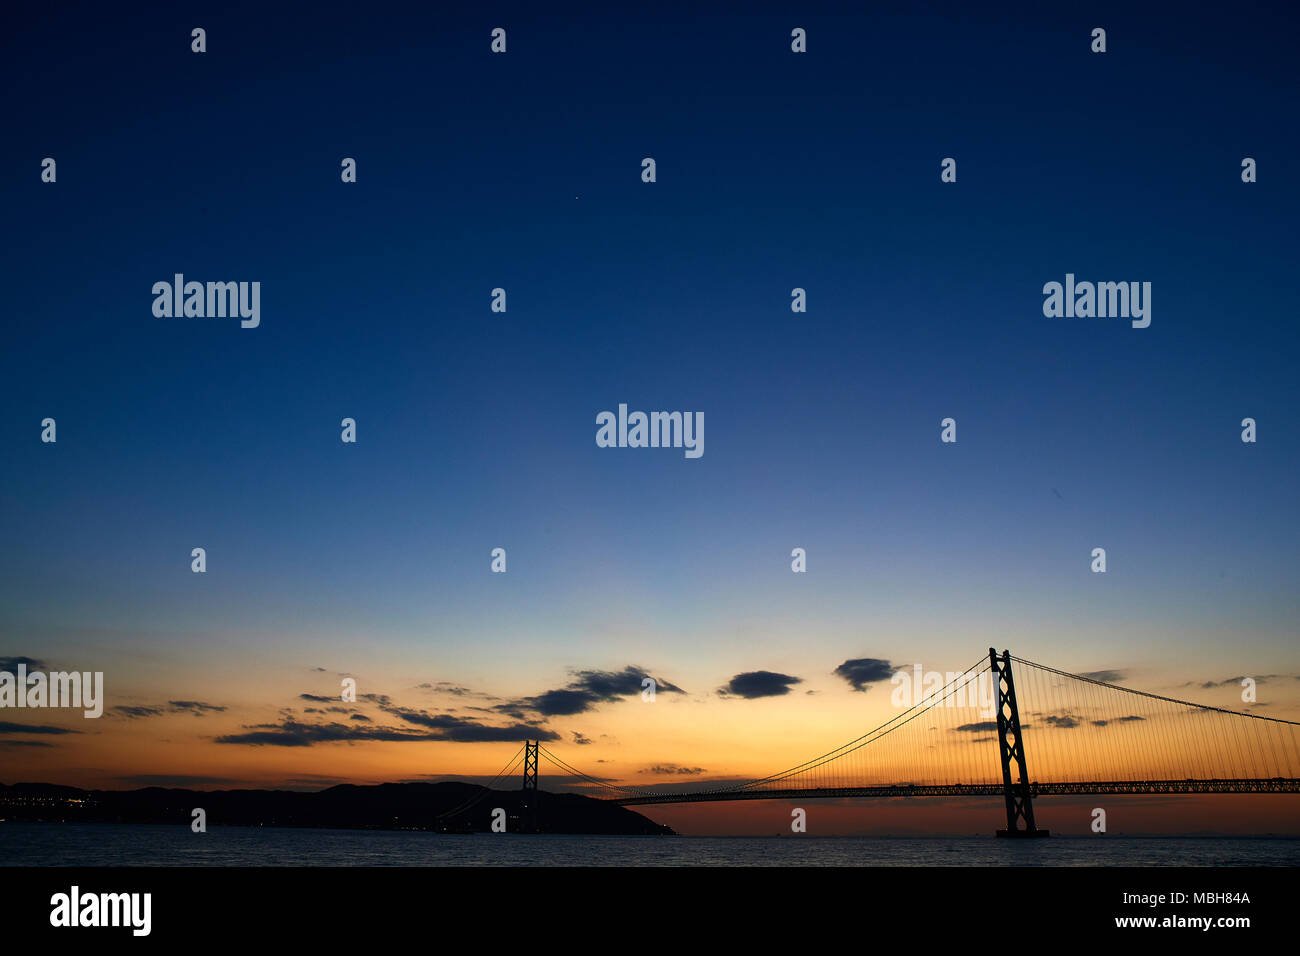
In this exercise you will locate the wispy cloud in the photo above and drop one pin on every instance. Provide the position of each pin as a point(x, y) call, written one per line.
point(294, 733)
point(1118, 720)
point(672, 770)
point(1106, 677)
point(196, 708)
point(9, 727)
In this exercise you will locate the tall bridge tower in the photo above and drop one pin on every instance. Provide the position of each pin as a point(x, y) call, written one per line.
point(1011, 747)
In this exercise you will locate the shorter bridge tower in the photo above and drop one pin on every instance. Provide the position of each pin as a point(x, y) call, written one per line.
point(528, 818)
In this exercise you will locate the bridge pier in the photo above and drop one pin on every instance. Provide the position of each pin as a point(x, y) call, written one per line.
point(1011, 748)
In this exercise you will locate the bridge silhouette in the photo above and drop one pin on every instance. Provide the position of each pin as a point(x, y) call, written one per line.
point(979, 733)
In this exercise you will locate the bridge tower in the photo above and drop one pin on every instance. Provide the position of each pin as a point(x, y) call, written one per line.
point(528, 819)
point(1011, 745)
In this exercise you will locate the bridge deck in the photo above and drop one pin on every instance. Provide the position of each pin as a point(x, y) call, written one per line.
point(1265, 785)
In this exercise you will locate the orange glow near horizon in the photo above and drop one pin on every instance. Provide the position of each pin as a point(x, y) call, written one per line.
point(696, 741)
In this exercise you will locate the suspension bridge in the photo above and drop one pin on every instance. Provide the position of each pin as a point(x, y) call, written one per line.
point(979, 735)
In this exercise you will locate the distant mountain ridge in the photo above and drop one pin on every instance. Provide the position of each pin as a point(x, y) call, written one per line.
point(385, 806)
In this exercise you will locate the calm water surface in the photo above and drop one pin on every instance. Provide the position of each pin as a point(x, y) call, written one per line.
point(64, 844)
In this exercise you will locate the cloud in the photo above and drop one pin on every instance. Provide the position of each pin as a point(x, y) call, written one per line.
point(316, 698)
point(1117, 720)
point(608, 685)
point(293, 733)
point(581, 740)
point(23, 743)
point(360, 717)
point(754, 684)
point(135, 711)
point(464, 730)
point(456, 690)
point(980, 727)
point(556, 703)
point(8, 727)
point(1062, 720)
point(10, 664)
point(672, 770)
point(196, 707)
point(586, 690)
point(863, 671)
point(1106, 677)
point(1232, 681)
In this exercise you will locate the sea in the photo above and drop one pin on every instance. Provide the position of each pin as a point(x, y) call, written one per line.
point(72, 844)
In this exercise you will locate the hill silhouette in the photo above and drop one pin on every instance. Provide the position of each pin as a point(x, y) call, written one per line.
point(385, 806)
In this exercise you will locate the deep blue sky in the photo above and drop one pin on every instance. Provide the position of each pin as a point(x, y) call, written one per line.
point(822, 430)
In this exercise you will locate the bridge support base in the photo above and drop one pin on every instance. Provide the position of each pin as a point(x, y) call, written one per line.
point(1024, 833)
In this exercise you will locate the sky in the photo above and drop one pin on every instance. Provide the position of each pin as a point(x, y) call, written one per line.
point(476, 429)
